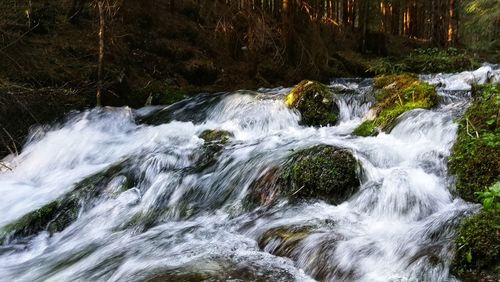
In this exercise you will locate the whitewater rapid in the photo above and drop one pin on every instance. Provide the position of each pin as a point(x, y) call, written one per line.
point(177, 223)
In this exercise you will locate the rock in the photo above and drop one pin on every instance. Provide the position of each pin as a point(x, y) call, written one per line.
point(477, 249)
point(211, 150)
point(396, 94)
point(266, 189)
point(295, 242)
point(54, 217)
point(221, 267)
point(367, 128)
point(315, 102)
point(60, 213)
point(282, 241)
point(322, 172)
point(216, 135)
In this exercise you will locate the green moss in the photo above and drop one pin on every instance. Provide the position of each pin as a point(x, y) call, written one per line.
point(367, 128)
point(161, 93)
point(54, 217)
point(478, 245)
point(475, 161)
point(396, 94)
point(209, 153)
point(315, 102)
point(400, 81)
point(430, 60)
point(284, 239)
point(475, 158)
point(57, 215)
point(215, 135)
point(323, 172)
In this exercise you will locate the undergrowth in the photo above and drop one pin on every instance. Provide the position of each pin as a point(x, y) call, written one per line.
point(431, 60)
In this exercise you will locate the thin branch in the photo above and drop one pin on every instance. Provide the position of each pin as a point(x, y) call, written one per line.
point(20, 37)
point(6, 166)
point(13, 141)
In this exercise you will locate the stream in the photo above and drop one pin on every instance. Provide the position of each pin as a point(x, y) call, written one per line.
point(148, 213)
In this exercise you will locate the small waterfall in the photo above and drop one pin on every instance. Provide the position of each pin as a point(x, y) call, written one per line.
point(148, 203)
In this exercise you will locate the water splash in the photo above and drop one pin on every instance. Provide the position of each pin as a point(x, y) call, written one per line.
point(149, 212)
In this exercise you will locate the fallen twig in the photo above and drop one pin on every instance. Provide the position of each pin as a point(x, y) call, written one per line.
point(467, 122)
point(6, 166)
point(16, 152)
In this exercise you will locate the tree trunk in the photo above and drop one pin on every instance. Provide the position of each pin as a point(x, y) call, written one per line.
point(100, 6)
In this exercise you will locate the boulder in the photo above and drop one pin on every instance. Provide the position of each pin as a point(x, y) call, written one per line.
point(315, 102)
point(211, 149)
point(322, 172)
point(396, 94)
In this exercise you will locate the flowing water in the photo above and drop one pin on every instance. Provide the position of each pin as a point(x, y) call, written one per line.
point(154, 215)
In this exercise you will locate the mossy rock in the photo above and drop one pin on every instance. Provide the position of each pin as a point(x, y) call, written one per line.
point(58, 214)
point(219, 268)
point(475, 158)
point(475, 161)
point(54, 217)
point(292, 242)
point(396, 94)
point(216, 135)
point(214, 143)
point(322, 172)
point(266, 189)
point(284, 240)
point(315, 102)
point(477, 249)
point(367, 128)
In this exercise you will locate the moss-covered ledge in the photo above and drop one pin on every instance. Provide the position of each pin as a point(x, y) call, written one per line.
point(475, 161)
point(477, 248)
point(395, 95)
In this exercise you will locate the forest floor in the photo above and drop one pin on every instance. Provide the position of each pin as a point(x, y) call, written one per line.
point(48, 60)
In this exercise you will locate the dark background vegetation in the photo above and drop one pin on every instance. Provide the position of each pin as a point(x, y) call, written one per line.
point(164, 49)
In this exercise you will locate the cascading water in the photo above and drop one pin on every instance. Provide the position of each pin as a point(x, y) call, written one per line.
point(143, 209)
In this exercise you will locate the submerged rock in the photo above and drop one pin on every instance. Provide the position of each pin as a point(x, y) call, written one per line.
point(220, 268)
point(315, 102)
point(295, 242)
point(58, 214)
point(322, 172)
point(283, 241)
point(396, 94)
point(214, 143)
point(216, 135)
